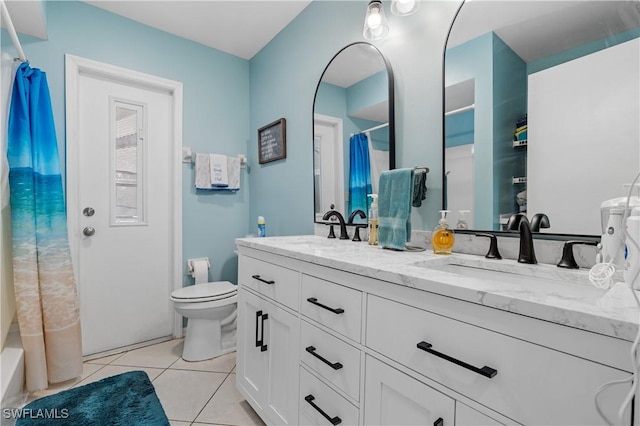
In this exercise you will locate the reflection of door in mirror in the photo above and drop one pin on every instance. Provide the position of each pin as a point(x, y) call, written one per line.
point(459, 149)
point(569, 93)
point(328, 175)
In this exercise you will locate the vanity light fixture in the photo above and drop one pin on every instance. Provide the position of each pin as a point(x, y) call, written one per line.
point(404, 7)
point(375, 23)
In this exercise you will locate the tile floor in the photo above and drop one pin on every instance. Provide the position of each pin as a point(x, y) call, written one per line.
point(192, 393)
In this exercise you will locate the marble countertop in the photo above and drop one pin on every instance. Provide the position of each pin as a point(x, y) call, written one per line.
point(540, 291)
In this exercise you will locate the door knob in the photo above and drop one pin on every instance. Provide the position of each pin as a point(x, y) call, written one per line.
point(88, 231)
point(88, 211)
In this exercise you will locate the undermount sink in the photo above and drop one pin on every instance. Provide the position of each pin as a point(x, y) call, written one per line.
point(505, 271)
point(315, 242)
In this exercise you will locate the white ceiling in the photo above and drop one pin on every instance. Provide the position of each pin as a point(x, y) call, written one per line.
point(353, 64)
point(536, 29)
point(239, 27)
point(27, 18)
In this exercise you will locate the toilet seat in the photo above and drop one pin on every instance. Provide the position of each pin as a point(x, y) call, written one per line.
point(206, 292)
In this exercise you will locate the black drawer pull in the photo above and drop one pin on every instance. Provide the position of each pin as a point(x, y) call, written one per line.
point(258, 341)
point(257, 277)
point(334, 365)
point(263, 347)
point(439, 422)
point(315, 302)
point(334, 420)
point(484, 371)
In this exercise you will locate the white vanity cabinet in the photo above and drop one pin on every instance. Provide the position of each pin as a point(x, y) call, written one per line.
point(267, 345)
point(355, 350)
point(512, 376)
point(394, 398)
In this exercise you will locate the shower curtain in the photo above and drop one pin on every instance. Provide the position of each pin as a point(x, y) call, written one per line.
point(46, 295)
point(359, 173)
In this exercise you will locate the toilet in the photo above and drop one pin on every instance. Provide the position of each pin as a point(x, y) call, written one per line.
point(211, 309)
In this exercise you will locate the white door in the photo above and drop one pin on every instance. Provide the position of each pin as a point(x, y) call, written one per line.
point(393, 398)
point(329, 165)
point(460, 182)
point(123, 195)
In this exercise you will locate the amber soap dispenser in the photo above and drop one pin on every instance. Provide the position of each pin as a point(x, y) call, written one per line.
point(443, 237)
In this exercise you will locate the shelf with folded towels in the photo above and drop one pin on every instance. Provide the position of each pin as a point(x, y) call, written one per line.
point(515, 180)
point(241, 157)
point(217, 172)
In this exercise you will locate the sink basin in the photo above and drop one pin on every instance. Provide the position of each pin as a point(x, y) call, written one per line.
point(315, 242)
point(486, 274)
point(506, 271)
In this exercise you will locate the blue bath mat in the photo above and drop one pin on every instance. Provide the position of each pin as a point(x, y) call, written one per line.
point(128, 399)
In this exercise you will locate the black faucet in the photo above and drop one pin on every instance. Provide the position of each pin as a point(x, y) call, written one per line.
point(356, 234)
point(493, 252)
point(527, 253)
point(539, 220)
point(519, 222)
point(353, 215)
point(568, 260)
point(343, 227)
point(514, 221)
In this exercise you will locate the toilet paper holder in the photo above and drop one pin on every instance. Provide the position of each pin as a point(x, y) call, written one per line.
point(191, 263)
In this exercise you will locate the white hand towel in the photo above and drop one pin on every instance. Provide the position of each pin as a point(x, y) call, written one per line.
point(218, 165)
point(233, 171)
point(202, 172)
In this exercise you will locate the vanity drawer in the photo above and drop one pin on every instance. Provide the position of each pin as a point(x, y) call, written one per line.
point(325, 399)
point(344, 371)
point(273, 281)
point(533, 384)
point(332, 305)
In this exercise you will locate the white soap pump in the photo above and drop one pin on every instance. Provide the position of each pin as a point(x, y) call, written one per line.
point(462, 219)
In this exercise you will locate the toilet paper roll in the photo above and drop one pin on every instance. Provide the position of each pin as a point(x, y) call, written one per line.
point(200, 271)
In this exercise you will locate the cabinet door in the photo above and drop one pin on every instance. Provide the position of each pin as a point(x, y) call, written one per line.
point(282, 338)
point(251, 374)
point(393, 398)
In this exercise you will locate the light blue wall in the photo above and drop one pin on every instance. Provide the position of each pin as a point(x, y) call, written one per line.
point(472, 60)
point(370, 91)
point(510, 103)
point(459, 129)
point(500, 99)
point(284, 76)
point(216, 108)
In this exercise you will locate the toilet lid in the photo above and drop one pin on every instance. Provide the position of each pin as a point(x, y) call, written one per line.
point(206, 291)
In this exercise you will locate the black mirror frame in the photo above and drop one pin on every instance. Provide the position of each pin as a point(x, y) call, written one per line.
point(392, 119)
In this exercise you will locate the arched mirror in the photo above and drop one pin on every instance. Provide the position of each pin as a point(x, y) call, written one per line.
point(542, 109)
point(353, 129)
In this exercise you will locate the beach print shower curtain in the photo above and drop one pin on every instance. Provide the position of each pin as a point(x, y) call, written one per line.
point(46, 295)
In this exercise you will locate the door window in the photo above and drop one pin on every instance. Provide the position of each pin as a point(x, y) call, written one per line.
point(127, 165)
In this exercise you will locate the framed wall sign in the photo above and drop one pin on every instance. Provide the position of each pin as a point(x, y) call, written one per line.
point(272, 141)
